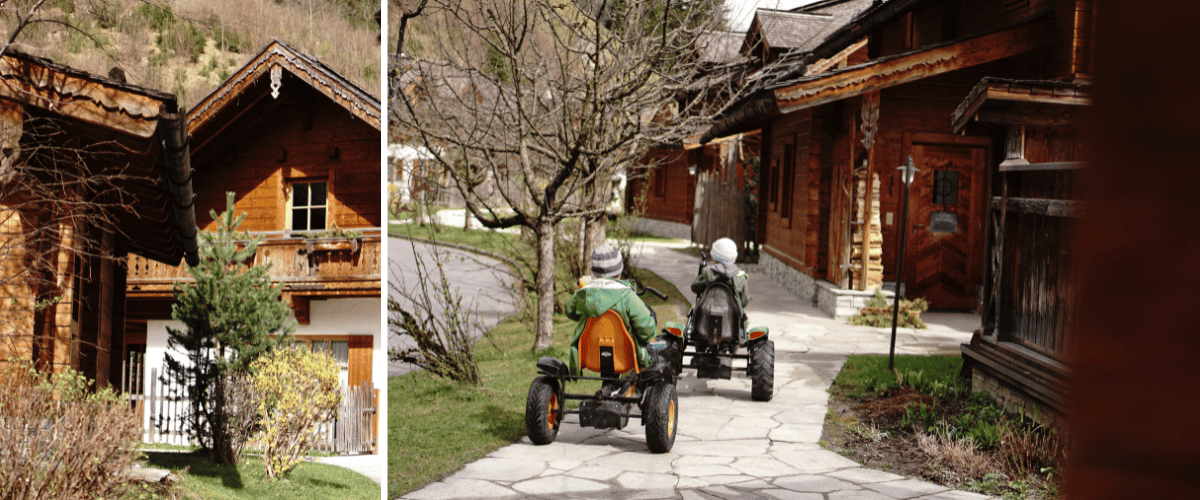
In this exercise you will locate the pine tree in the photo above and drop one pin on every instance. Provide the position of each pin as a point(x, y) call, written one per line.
point(233, 315)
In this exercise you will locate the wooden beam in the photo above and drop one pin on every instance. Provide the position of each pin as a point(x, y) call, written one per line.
point(1042, 167)
point(1052, 208)
point(1023, 117)
point(912, 66)
point(76, 97)
point(823, 65)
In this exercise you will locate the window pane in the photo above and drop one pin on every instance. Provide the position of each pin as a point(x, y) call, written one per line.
point(341, 352)
point(318, 194)
point(945, 187)
point(299, 195)
point(299, 219)
point(320, 346)
point(318, 218)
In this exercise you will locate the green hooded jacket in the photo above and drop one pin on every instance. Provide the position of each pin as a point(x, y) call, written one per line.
point(601, 295)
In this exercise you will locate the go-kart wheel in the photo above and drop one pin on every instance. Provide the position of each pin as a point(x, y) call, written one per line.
point(662, 417)
point(762, 370)
point(543, 411)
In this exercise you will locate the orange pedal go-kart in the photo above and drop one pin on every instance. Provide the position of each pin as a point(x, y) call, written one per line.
point(606, 348)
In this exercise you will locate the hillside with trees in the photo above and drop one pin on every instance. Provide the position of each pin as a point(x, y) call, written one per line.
point(188, 47)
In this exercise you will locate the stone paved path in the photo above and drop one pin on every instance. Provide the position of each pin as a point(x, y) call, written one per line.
point(728, 447)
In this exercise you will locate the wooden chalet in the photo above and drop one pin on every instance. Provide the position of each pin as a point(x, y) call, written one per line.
point(955, 85)
point(301, 147)
point(93, 169)
point(705, 191)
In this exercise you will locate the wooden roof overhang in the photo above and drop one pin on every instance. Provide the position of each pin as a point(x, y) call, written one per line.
point(810, 91)
point(229, 104)
point(132, 130)
point(1024, 102)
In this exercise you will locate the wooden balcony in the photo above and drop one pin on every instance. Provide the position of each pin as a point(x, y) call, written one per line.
point(304, 266)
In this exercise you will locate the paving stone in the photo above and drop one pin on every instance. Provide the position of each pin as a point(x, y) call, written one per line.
point(796, 434)
point(700, 432)
point(721, 491)
point(705, 470)
point(729, 433)
point(858, 495)
point(730, 448)
point(861, 476)
point(597, 473)
point(805, 416)
point(763, 467)
point(695, 495)
point(460, 488)
point(727, 479)
point(814, 462)
point(765, 422)
point(637, 462)
point(783, 494)
point(559, 485)
point(751, 485)
point(551, 452)
point(786, 446)
point(702, 460)
point(659, 482)
point(908, 488)
point(814, 483)
point(565, 464)
point(500, 469)
point(687, 483)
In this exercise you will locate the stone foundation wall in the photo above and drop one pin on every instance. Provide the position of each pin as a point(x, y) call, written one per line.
point(660, 228)
point(799, 284)
point(1014, 400)
point(842, 303)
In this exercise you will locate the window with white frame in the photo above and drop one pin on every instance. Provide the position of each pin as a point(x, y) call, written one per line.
point(308, 206)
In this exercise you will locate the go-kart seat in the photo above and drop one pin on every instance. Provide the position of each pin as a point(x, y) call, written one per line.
point(606, 347)
point(718, 315)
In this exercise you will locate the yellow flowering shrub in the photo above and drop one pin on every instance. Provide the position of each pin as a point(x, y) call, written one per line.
point(297, 390)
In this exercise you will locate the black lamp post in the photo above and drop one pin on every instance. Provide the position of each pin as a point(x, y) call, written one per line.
point(907, 172)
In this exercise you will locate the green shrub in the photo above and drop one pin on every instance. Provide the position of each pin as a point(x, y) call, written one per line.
point(297, 390)
point(878, 312)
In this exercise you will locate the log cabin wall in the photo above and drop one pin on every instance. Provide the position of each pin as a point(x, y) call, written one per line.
point(665, 191)
point(309, 138)
point(784, 205)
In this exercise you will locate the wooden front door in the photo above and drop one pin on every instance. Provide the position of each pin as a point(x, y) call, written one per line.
point(944, 252)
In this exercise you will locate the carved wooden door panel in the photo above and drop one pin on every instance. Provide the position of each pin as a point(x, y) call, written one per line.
point(942, 259)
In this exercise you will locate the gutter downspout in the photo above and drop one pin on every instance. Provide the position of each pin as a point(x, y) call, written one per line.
point(178, 158)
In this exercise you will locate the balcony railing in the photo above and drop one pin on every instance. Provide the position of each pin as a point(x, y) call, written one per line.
point(297, 263)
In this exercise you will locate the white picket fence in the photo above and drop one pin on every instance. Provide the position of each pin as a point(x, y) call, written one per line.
point(162, 404)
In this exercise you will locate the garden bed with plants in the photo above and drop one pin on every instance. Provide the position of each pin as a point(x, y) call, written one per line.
point(921, 421)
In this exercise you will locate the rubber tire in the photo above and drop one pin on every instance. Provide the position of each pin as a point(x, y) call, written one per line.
point(543, 411)
point(662, 417)
point(762, 370)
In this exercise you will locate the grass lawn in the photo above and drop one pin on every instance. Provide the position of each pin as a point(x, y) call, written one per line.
point(203, 480)
point(869, 374)
point(493, 241)
point(435, 427)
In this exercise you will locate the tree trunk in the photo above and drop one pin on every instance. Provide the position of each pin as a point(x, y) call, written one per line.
point(222, 452)
point(595, 233)
point(545, 285)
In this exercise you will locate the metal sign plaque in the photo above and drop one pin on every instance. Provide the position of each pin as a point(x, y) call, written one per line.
point(943, 222)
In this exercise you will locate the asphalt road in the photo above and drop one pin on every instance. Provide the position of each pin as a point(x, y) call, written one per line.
point(480, 281)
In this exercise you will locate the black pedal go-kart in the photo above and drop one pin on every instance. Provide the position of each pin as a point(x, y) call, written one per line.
point(606, 348)
point(715, 333)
